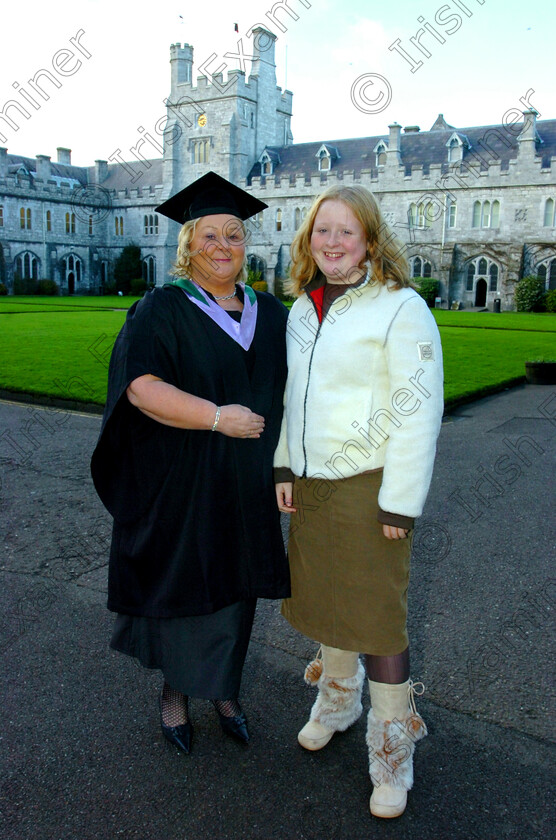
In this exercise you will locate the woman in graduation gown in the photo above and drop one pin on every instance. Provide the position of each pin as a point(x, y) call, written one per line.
point(184, 462)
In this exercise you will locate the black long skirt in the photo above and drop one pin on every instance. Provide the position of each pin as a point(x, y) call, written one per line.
point(201, 655)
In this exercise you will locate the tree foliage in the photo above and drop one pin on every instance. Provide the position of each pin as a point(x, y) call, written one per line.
point(128, 267)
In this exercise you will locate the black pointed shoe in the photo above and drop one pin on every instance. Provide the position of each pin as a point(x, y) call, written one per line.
point(235, 726)
point(179, 736)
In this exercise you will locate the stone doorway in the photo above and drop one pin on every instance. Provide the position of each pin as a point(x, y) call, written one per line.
point(481, 292)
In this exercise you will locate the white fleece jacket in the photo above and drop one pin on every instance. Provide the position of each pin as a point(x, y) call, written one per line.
point(364, 391)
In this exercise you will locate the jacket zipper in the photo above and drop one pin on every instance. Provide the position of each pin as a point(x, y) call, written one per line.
point(307, 390)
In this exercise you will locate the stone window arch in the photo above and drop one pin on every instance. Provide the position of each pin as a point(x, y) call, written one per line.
point(149, 270)
point(454, 151)
point(547, 272)
point(324, 157)
point(150, 224)
point(486, 214)
point(27, 265)
point(421, 215)
point(25, 218)
point(267, 166)
point(549, 215)
point(70, 222)
point(72, 272)
point(482, 275)
point(493, 275)
point(201, 150)
point(420, 267)
point(381, 152)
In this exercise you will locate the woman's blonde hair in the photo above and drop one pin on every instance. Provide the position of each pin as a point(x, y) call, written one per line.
point(181, 267)
point(384, 249)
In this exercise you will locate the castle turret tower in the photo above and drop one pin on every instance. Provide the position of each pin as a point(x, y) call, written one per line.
point(223, 122)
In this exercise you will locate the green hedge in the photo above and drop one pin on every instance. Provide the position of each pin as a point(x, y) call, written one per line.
point(530, 294)
point(550, 300)
point(427, 288)
point(47, 287)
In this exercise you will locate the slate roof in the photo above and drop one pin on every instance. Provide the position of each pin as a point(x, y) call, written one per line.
point(118, 177)
point(58, 170)
point(418, 149)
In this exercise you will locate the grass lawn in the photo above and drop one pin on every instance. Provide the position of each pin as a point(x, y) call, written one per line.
point(542, 321)
point(60, 354)
point(11, 304)
point(475, 360)
point(61, 346)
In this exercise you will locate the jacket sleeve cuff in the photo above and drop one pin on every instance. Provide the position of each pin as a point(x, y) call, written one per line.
point(282, 474)
point(395, 519)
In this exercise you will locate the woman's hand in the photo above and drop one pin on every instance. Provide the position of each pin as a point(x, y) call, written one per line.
point(239, 421)
point(284, 497)
point(393, 533)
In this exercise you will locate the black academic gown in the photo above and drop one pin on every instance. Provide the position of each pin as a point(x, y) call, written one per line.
point(196, 525)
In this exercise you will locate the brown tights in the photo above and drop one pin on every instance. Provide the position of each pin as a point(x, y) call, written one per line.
point(388, 669)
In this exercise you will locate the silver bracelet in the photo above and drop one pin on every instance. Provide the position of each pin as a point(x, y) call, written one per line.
point(216, 419)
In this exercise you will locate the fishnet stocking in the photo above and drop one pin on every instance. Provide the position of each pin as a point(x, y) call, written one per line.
point(227, 708)
point(174, 706)
point(388, 669)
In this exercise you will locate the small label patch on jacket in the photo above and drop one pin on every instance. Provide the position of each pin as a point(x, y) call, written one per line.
point(426, 351)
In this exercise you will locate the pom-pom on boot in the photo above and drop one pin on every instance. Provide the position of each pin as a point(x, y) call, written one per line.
point(393, 729)
point(339, 678)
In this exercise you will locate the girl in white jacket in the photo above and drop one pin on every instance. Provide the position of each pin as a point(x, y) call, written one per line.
point(363, 409)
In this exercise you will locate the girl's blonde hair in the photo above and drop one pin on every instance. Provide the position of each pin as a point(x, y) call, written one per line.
point(384, 249)
point(181, 267)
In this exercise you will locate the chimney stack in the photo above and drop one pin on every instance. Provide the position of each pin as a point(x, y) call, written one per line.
point(43, 167)
point(64, 155)
point(394, 145)
point(101, 171)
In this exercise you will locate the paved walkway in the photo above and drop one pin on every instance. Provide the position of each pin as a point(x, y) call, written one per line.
point(81, 751)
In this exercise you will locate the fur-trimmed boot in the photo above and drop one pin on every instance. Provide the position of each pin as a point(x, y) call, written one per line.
point(393, 729)
point(339, 678)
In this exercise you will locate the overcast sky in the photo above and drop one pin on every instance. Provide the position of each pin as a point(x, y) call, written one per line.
point(494, 51)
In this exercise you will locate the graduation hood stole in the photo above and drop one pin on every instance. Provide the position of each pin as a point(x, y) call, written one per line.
point(241, 331)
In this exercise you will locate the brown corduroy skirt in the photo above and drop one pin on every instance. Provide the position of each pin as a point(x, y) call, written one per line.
point(349, 583)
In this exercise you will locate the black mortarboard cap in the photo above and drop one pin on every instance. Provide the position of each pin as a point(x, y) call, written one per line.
point(208, 196)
